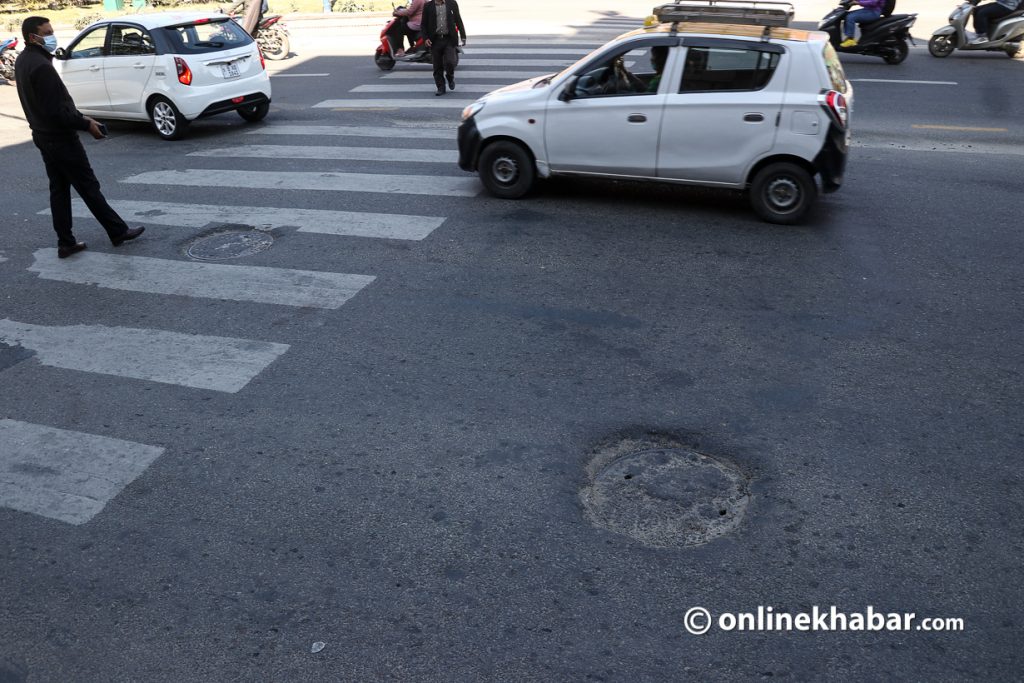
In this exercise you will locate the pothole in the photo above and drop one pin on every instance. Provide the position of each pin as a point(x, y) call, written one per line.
point(664, 494)
point(230, 244)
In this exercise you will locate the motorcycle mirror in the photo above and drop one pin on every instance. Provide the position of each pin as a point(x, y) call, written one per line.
point(569, 91)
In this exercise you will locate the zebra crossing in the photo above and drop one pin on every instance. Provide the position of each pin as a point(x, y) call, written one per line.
point(70, 476)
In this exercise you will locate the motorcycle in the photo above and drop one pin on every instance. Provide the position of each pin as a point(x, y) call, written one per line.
point(886, 37)
point(419, 53)
point(7, 59)
point(272, 37)
point(1005, 34)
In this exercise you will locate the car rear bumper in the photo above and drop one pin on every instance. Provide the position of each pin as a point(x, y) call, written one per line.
point(831, 160)
point(234, 103)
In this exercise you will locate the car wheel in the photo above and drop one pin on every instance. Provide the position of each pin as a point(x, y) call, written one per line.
point(941, 46)
point(782, 193)
point(385, 62)
point(167, 120)
point(896, 53)
point(254, 112)
point(506, 169)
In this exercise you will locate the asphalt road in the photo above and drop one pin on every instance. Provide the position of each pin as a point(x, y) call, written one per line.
point(397, 496)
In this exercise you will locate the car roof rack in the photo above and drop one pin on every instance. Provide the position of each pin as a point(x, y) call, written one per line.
point(756, 12)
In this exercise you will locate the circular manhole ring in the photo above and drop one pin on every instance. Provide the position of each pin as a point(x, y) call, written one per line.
point(229, 244)
point(666, 497)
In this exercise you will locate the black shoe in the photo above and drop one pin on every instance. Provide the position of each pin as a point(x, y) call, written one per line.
point(451, 83)
point(440, 91)
point(65, 251)
point(130, 235)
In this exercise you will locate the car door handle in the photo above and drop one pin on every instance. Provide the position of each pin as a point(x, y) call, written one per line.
point(753, 117)
point(94, 67)
point(138, 66)
point(636, 118)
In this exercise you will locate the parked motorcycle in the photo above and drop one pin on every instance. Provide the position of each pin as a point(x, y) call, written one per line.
point(7, 59)
point(419, 53)
point(1005, 34)
point(272, 37)
point(886, 37)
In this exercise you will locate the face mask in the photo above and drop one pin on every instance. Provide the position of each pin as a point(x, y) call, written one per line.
point(49, 42)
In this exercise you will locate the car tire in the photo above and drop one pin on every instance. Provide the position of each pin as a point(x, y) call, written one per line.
point(506, 169)
point(254, 112)
point(941, 46)
point(168, 122)
point(782, 193)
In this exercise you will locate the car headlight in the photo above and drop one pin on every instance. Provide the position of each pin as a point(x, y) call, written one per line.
point(471, 111)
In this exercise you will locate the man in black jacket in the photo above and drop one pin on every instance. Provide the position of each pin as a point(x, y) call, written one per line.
point(442, 27)
point(55, 122)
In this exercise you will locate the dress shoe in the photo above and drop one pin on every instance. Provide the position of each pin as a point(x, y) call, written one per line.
point(440, 91)
point(130, 235)
point(451, 83)
point(63, 251)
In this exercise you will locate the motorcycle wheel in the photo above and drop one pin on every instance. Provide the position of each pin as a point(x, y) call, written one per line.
point(7, 66)
point(941, 46)
point(275, 43)
point(385, 62)
point(896, 53)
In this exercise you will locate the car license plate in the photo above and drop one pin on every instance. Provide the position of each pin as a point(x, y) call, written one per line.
point(229, 70)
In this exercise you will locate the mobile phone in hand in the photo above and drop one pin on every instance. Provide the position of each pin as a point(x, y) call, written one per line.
point(103, 129)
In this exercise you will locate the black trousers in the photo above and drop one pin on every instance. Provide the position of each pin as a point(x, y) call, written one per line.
point(443, 55)
point(985, 14)
point(68, 166)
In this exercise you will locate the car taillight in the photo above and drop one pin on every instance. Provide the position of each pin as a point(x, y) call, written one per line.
point(263, 62)
point(184, 73)
point(835, 104)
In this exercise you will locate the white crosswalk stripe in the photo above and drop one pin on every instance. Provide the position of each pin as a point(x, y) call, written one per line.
point(198, 361)
point(321, 221)
point(295, 180)
point(406, 88)
point(473, 61)
point(435, 156)
point(411, 132)
point(65, 475)
point(462, 74)
point(449, 102)
point(495, 50)
point(282, 286)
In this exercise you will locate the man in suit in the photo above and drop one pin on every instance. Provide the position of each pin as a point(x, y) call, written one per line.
point(55, 122)
point(442, 29)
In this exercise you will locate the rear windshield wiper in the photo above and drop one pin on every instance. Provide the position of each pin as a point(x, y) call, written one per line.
point(208, 43)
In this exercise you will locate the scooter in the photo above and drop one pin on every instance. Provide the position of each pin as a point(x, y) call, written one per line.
point(272, 37)
point(419, 53)
point(7, 59)
point(1005, 34)
point(886, 37)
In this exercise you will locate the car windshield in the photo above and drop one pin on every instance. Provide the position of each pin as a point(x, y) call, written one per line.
point(207, 36)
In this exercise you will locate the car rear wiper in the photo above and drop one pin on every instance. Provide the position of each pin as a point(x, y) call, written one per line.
point(208, 43)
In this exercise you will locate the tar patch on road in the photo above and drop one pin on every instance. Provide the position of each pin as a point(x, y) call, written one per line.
point(663, 494)
point(12, 355)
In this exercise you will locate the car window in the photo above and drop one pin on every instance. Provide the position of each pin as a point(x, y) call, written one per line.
point(207, 36)
point(629, 72)
point(727, 68)
point(90, 44)
point(130, 40)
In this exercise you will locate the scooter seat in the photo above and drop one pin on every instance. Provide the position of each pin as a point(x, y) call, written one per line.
point(872, 25)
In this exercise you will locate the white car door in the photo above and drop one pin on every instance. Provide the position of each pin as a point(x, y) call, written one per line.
point(132, 56)
point(722, 114)
point(81, 69)
point(610, 122)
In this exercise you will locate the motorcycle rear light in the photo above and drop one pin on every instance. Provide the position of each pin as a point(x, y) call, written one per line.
point(835, 104)
point(184, 73)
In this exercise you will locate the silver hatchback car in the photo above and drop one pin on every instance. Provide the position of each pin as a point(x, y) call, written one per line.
point(753, 105)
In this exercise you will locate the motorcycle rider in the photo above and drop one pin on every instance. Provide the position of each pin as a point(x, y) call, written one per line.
point(407, 26)
point(871, 10)
point(985, 14)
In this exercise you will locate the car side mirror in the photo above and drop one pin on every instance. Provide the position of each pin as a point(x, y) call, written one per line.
point(569, 91)
point(60, 53)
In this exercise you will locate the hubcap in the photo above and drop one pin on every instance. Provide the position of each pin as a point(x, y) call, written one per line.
point(783, 193)
point(505, 170)
point(164, 119)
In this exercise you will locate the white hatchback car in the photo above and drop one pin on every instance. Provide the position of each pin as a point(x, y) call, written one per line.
point(169, 68)
point(754, 106)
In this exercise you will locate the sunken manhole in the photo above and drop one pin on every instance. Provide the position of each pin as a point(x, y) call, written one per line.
point(230, 244)
point(666, 497)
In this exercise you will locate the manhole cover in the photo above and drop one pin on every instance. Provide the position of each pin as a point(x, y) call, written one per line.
point(229, 245)
point(666, 497)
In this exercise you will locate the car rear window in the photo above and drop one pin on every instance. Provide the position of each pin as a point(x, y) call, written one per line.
point(835, 68)
point(207, 36)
